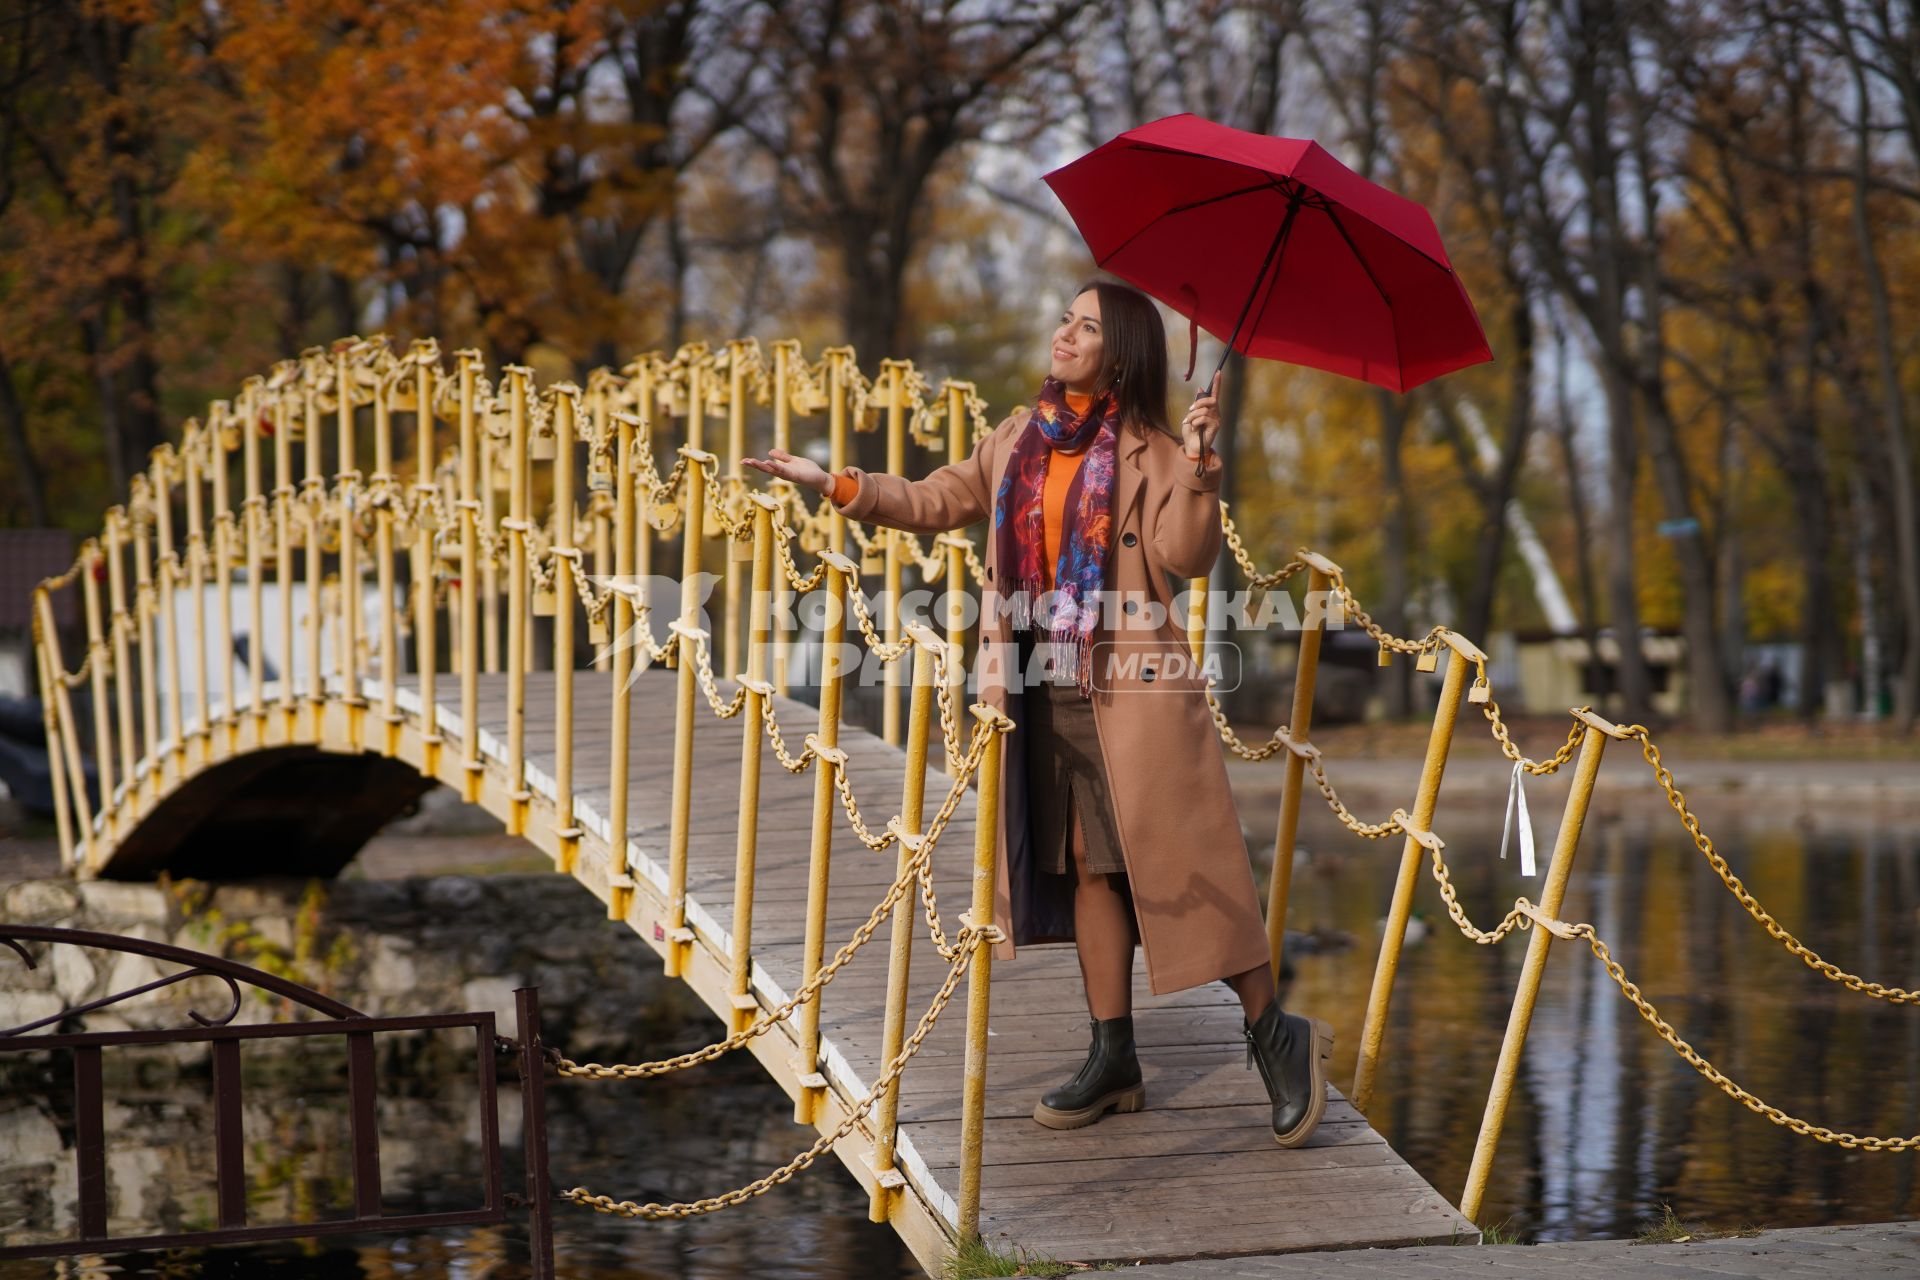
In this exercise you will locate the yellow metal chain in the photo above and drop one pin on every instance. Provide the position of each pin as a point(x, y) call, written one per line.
point(1664, 1029)
point(1366, 830)
point(788, 761)
point(1780, 933)
point(844, 786)
point(703, 672)
point(1514, 919)
point(782, 534)
point(1245, 561)
point(1491, 710)
point(1273, 745)
point(740, 1195)
point(908, 874)
point(881, 649)
point(1381, 636)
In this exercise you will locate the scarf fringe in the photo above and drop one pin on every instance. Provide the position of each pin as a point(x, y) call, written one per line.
point(1072, 646)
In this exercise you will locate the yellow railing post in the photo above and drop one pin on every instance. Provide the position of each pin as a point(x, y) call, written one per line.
point(252, 511)
point(1320, 575)
point(117, 623)
point(143, 609)
point(60, 703)
point(1196, 618)
point(472, 768)
point(888, 1184)
point(895, 372)
point(283, 495)
point(94, 562)
point(625, 641)
point(347, 488)
point(426, 631)
point(50, 725)
point(973, 1099)
point(687, 635)
point(836, 370)
point(600, 509)
point(517, 526)
point(1593, 744)
point(643, 529)
point(730, 480)
point(488, 583)
point(219, 428)
point(1439, 740)
point(841, 572)
point(566, 423)
point(381, 491)
point(193, 440)
point(783, 353)
point(752, 725)
point(956, 596)
point(313, 490)
point(169, 628)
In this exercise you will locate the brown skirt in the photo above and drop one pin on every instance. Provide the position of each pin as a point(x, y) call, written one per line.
point(1064, 776)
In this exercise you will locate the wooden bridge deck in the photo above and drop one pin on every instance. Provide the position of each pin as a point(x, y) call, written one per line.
point(1196, 1174)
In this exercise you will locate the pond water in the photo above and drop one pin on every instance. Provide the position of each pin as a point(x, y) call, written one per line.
point(1607, 1124)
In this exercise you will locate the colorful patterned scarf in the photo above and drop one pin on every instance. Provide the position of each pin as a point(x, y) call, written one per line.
point(1086, 524)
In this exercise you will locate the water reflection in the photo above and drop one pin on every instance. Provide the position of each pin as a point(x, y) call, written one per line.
point(1607, 1122)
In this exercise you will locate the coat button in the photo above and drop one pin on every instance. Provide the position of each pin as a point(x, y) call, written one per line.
point(985, 640)
point(1128, 538)
point(1146, 673)
point(1131, 606)
point(989, 573)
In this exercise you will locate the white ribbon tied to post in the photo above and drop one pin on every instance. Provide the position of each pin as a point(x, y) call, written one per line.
point(1517, 800)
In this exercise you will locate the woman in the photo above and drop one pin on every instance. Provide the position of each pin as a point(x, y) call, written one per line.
point(1116, 824)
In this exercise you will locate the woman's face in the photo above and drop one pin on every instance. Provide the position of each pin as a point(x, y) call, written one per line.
point(1077, 344)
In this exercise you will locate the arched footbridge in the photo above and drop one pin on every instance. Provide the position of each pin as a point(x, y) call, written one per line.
point(449, 576)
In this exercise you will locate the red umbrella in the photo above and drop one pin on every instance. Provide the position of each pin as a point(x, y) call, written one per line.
point(1277, 244)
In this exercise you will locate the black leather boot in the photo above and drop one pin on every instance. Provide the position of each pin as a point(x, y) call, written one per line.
point(1292, 1052)
point(1108, 1079)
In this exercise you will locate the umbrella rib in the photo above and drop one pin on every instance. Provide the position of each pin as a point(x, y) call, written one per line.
point(1269, 184)
point(1272, 280)
point(1393, 328)
point(1359, 257)
point(1276, 253)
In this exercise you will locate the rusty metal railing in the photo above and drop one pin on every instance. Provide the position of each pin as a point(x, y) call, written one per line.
point(225, 1039)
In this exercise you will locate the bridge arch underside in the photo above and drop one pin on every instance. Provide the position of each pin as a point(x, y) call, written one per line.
point(297, 810)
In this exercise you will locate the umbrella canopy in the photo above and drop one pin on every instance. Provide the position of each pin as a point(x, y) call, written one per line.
point(1276, 248)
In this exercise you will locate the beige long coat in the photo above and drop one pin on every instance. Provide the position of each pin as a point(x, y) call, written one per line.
point(1193, 891)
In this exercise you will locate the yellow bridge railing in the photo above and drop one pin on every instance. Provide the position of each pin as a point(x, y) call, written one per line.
point(487, 527)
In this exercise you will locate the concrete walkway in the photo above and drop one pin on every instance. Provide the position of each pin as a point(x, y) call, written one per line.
point(1878, 1249)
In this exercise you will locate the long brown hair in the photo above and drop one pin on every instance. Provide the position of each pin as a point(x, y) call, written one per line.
point(1133, 356)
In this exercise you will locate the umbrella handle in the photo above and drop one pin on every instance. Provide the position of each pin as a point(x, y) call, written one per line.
point(1200, 465)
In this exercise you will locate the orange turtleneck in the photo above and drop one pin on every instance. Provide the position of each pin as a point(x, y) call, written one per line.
point(1061, 469)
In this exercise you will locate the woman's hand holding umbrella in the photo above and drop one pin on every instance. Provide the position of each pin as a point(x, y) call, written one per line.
point(1202, 420)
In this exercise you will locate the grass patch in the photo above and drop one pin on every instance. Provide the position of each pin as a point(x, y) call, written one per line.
point(976, 1258)
point(1669, 1228)
point(1501, 1232)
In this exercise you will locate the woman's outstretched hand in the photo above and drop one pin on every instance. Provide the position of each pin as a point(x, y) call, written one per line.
point(1202, 420)
point(804, 472)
